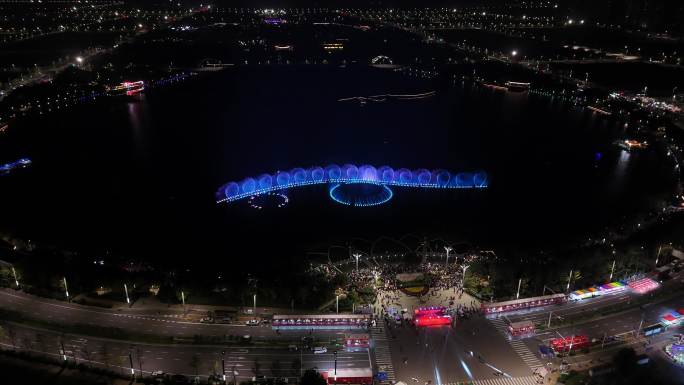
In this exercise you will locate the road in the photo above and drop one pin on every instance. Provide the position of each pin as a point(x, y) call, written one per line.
point(189, 360)
point(164, 323)
point(442, 355)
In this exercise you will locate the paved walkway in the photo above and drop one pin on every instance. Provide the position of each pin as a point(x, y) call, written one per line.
point(518, 346)
point(382, 353)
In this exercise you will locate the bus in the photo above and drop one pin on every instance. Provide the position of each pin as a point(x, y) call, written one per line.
point(653, 329)
point(522, 328)
point(359, 340)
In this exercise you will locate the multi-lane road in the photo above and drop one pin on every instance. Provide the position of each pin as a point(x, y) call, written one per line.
point(476, 349)
point(190, 360)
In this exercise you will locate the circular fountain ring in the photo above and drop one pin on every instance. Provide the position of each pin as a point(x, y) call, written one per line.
point(360, 194)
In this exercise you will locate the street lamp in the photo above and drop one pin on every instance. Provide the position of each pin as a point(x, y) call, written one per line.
point(130, 359)
point(223, 364)
point(517, 295)
point(79, 59)
point(254, 307)
point(612, 269)
point(16, 281)
point(448, 249)
point(569, 279)
point(335, 355)
point(514, 53)
point(656, 261)
point(337, 304)
point(357, 261)
point(183, 298)
point(465, 268)
point(128, 300)
point(66, 289)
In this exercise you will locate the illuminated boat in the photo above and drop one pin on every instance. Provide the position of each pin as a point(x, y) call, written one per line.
point(127, 88)
point(517, 86)
point(630, 145)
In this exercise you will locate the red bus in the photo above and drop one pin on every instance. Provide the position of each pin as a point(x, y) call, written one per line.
point(521, 328)
point(523, 303)
point(361, 340)
point(570, 343)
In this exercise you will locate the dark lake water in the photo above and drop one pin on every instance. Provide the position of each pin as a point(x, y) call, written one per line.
point(139, 178)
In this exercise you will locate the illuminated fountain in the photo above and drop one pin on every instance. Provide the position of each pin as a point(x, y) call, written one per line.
point(350, 185)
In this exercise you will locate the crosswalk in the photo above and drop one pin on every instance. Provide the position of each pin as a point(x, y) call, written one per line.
point(529, 380)
point(383, 356)
point(518, 346)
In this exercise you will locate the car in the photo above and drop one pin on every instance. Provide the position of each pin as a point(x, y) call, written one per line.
point(207, 320)
point(252, 322)
point(260, 378)
point(265, 321)
point(293, 348)
point(158, 373)
point(320, 350)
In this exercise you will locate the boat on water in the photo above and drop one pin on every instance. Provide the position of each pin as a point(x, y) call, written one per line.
point(517, 86)
point(631, 145)
point(127, 88)
point(7, 168)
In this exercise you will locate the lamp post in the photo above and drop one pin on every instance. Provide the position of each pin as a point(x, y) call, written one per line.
point(254, 306)
point(183, 298)
point(548, 324)
point(357, 261)
point(130, 359)
point(465, 268)
point(448, 249)
point(335, 355)
point(128, 300)
point(569, 279)
point(612, 269)
point(66, 289)
point(337, 304)
point(16, 281)
point(64, 356)
point(223, 364)
point(517, 295)
point(656, 261)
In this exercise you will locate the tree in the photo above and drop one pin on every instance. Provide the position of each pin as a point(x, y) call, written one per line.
point(312, 377)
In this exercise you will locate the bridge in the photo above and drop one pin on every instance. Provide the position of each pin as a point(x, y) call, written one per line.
point(351, 185)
